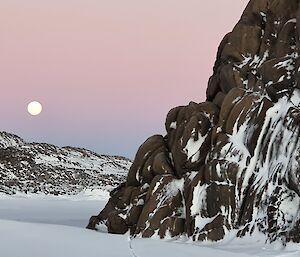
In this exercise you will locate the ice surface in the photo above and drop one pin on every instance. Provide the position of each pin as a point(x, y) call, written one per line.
point(48, 226)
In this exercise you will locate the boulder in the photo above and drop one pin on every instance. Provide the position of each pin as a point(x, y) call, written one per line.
point(229, 165)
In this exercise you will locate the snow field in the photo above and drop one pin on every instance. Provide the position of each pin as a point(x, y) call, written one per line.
point(47, 226)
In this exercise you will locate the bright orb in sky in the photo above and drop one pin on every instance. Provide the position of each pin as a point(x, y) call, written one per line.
point(34, 108)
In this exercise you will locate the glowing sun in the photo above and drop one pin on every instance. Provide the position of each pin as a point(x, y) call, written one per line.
point(34, 108)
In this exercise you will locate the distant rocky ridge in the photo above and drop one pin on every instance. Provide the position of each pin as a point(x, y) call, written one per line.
point(44, 168)
point(230, 165)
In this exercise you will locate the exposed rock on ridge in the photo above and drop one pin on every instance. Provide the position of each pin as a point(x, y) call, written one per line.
point(231, 164)
point(34, 168)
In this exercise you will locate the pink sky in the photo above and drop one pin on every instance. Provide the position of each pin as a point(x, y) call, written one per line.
point(106, 72)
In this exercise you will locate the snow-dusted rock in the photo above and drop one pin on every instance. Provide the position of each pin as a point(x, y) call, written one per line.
point(231, 164)
point(34, 167)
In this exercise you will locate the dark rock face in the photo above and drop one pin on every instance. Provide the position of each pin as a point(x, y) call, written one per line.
point(231, 164)
point(34, 168)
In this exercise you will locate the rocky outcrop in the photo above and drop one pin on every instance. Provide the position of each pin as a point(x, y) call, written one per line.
point(231, 164)
point(43, 168)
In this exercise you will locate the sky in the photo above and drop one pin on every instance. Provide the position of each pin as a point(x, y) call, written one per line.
point(106, 72)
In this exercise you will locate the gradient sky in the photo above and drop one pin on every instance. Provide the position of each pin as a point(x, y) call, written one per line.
point(106, 72)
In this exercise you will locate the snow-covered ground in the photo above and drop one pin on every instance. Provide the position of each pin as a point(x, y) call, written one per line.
point(48, 226)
